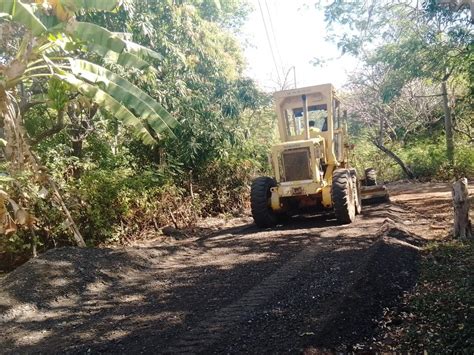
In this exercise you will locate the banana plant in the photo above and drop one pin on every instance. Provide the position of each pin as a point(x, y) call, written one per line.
point(53, 47)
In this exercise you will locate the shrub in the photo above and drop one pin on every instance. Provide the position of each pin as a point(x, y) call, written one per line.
point(118, 205)
point(427, 159)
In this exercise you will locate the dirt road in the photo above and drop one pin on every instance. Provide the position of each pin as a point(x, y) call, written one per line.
point(307, 286)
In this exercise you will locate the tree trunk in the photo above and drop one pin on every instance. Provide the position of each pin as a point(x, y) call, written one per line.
point(395, 157)
point(461, 203)
point(448, 124)
point(14, 152)
point(77, 152)
point(77, 148)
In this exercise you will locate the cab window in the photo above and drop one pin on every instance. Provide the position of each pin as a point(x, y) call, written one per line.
point(295, 124)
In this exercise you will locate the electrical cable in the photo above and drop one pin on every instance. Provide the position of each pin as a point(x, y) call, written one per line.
point(274, 37)
point(269, 42)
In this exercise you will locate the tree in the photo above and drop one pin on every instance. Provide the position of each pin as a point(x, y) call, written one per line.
point(53, 47)
point(226, 125)
point(391, 123)
point(200, 78)
point(423, 40)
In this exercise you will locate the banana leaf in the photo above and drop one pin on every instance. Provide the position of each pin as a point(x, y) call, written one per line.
point(99, 36)
point(143, 104)
point(75, 5)
point(125, 59)
point(107, 102)
point(22, 13)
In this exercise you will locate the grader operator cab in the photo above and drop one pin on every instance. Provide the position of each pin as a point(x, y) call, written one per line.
point(310, 165)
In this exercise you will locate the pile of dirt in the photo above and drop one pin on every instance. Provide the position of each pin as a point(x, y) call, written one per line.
point(390, 268)
point(335, 302)
point(65, 273)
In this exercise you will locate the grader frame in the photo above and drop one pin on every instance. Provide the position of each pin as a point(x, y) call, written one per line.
point(311, 164)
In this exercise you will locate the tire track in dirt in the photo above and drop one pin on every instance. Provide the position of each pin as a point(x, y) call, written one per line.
point(337, 299)
point(209, 331)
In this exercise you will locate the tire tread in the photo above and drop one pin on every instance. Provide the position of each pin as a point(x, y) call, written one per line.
point(262, 214)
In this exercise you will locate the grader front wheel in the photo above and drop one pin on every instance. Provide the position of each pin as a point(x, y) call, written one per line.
point(342, 195)
point(260, 194)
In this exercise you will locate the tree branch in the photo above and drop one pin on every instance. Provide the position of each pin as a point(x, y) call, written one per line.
point(58, 127)
point(395, 157)
point(27, 106)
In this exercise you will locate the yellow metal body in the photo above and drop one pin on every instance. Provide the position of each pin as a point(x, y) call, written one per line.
point(327, 147)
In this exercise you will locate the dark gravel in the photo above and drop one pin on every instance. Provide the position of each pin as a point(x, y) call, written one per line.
point(308, 286)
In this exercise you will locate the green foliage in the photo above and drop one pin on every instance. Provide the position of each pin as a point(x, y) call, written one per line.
point(67, 41)
point(424, 156)
point(464, 160)
point(227, 181)
point(58, 93)
point(136, 201)
point(410, 52)
point(22, 13)
point(427, 159)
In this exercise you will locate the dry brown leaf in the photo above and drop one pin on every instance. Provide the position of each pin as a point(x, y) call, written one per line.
point(21, 216)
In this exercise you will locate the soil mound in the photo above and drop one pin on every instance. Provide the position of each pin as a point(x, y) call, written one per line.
point(66, 272)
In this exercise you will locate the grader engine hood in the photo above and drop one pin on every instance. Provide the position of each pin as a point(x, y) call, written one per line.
point(298, 161)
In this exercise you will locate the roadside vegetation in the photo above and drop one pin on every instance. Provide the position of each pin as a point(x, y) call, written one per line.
point(442, 303)
point(193, 151)
point(411, 99)
point(412, 108)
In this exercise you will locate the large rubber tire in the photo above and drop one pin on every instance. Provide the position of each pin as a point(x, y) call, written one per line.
point(357, 195)
point(370, 177)
point(260, 194)
point(342, 195)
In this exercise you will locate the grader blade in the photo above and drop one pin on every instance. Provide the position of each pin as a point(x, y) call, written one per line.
point(374, 194)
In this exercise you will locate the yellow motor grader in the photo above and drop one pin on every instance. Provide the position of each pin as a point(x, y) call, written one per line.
point(310, 165)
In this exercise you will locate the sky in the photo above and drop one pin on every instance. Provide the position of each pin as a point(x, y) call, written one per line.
point(298, 37)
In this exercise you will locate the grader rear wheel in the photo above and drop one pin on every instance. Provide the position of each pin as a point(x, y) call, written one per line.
point(342, 195)
point(370, 177)
point(260, 194)
point(357, 192)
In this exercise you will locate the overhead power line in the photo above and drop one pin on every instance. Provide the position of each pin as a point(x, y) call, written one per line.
point(269, 42)
point(277, 47)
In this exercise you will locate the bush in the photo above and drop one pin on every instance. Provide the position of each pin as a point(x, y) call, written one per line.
point(117, 205)
point(226, 183)
point(427, 159)
point(464, 160)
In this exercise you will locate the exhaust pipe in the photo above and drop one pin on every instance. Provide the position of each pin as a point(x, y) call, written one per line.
point(305, 117)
